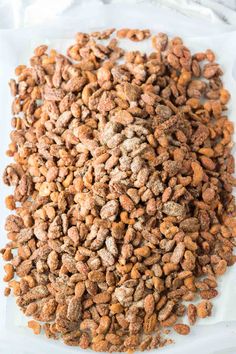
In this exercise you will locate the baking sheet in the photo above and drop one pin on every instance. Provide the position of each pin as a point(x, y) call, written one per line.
point(15, 48)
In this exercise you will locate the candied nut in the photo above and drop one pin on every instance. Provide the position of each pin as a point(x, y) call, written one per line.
point(35, 326)
point(113, 339)
point(208, 294)
point(79, 289)
point(142, 251)
point(74, 309)
point(110, 210)
point(126, 203)
point(106, 257)
point(180, 310)
point(210, 70)
point(125, 219)
point(169, 268)
point(192, 314)
point(168, 229)
point(123, 117)
point(165, 312)
point(184, 78)
point(104, 325)
point(197, 173)
point(150, 323)
point(224, 96)
point(210, 56)
point(102, 298)
point(96, 276)
point(204, 309)
point(53, 94)
point(116, 308)
point(9, 269)
point(149, 304)
point(133, 34)
point(10, 202)
point(122, 33)
point(100, 346)
point(170, 321)
point(45, 189)
point(39, 51)
point(31, 309)
point(173, 61)
point(52, 260)
point(7, 254)
point(208, 195)
point(7, 291)
point(189, 283)
point(208, 163)
point(182, 329)
point(24, 268)
point(220, 268)
point(178, 253)
point(190, 225)
point(207, 152)
point(173, 209)
point(160, 41)
point(122, 190)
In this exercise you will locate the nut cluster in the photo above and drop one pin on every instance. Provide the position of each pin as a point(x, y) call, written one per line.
point(122, 179)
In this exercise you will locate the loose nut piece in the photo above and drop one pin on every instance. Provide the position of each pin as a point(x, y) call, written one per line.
point(182, 329)
point(35, 326)
point(122, 178)
point(192, 314)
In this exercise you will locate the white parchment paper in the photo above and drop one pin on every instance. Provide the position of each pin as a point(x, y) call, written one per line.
point(16, 47)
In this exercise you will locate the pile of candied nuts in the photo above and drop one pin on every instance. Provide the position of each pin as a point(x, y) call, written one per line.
point(123, 183)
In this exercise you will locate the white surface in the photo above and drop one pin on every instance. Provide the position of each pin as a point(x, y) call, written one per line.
point(20, 13)
point(215, 333)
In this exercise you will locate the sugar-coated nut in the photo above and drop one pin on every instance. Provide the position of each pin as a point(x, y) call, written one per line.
point(182, 329)
point(192, 314)
point(204, 309)
point(35, 326)
point(9, 269)
point(10, 202)
point(7, 291)
point(122, 190)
